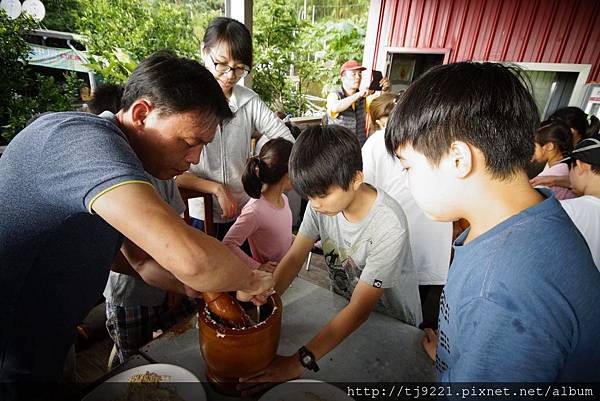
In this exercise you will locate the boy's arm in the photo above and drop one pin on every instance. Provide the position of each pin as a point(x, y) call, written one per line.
point(550, 181)
point(197, 260)
point(363, 301)
point(292, 262)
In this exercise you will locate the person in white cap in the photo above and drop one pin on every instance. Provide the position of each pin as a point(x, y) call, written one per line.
point(585, 180)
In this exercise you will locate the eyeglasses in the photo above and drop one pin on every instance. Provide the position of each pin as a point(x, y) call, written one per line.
point(224, 68)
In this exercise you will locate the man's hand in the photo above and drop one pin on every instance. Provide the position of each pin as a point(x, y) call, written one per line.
point(365, 92)
point(228, 205)
point(429, 342)
point(283, 368)
point(261, 288)
point(385, 84)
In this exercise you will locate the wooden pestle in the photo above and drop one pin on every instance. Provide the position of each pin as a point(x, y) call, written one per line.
point(223, 306)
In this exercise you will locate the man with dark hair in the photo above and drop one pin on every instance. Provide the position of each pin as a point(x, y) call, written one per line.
point(106, 97)
point(73, 191)
point(521, 300)
point(365, 240)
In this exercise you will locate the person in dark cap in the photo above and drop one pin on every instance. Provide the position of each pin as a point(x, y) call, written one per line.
point(585, 181)
point(347, 105)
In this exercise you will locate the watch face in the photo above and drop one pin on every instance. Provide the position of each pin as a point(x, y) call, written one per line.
point(306, 359)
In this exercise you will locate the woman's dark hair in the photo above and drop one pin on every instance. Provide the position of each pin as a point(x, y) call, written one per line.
point(234, 34)
point(576, 118)
point(556, 132)
point(106, 97)
point(176, 85)
point(593, 127)
point(268, 167)
point(294, 130)
point(487, 105)
point(324, 157)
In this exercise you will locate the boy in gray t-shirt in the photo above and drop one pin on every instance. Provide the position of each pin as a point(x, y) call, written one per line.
point(365, 242)
point(373, 250)
point(134, 309)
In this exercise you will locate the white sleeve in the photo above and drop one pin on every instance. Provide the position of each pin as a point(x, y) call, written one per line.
point(369, 162)
point(267, 123)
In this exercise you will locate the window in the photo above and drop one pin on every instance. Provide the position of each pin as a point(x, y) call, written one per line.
point(556, 85)
point(405, 65)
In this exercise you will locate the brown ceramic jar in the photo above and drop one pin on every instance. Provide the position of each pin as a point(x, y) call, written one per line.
point(233, 353)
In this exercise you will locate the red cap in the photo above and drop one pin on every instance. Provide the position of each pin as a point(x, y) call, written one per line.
point(351, 65)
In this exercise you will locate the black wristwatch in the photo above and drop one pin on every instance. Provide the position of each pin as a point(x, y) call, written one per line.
point(307, 359)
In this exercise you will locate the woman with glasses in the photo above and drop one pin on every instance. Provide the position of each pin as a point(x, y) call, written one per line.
point(227, 53)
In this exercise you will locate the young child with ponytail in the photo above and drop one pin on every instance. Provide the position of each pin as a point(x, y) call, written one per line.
point(266, 220)
point(553, 142)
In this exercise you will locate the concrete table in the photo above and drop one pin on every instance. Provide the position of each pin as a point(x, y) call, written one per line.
point(382, 349)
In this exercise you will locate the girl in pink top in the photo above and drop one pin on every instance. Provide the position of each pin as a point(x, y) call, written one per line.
point(266, 220)
point(553, 141)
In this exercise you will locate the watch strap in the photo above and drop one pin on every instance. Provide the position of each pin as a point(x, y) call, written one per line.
point(307, 359)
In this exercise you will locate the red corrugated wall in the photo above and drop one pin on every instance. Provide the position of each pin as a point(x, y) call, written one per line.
point(537, 31)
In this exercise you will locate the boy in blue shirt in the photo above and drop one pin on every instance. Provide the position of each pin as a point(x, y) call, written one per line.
point(522, 299)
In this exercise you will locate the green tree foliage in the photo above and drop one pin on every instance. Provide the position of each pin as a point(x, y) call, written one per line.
point(276, 34)
point(61, 15)
point(22, 93)
point(284, 44)
point(202, 12)
point(120, 33)
point(293, 56)
point(330, 10)
point(331, 43)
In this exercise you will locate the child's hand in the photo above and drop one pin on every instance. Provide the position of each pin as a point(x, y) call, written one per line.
point(551, 181)
point(268, 267)
point(283, 368)
point(429, 342)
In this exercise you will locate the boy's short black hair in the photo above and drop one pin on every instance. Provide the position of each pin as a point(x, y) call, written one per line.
point(487, 105)
point(176, 85)
point(322, 158)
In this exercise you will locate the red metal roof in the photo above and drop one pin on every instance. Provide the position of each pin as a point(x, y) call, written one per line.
point(537, 31)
